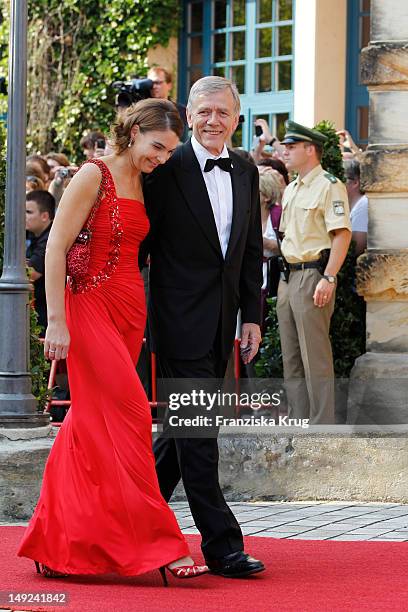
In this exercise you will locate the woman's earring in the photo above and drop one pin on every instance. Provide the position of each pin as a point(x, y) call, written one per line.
point(131, 143)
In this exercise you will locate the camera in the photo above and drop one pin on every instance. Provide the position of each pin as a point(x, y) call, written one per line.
point(258, 131)
point(66, 172)
point(100, 143)
point(132, 91)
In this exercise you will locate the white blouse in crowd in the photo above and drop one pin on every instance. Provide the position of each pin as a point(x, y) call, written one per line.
point(269, 233)
point(359, 215)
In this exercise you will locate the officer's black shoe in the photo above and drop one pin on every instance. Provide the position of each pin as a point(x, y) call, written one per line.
point(235, 565)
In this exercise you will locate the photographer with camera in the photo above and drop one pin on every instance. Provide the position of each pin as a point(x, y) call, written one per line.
point(263, 137)
point(93, 144)
point(54, 161)
point(162, 86)
point(62, 176)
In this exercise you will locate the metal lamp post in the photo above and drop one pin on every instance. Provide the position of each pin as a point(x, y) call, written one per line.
point(17, 404)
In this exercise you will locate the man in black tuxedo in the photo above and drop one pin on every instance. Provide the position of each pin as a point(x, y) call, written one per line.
point(205, 264)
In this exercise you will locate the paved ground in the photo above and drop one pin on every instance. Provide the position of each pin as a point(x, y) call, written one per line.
point(314, 520)
point(311, 520)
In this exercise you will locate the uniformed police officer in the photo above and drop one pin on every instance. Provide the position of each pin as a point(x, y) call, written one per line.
point(315, 219)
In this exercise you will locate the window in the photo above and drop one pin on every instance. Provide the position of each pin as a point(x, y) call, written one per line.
point(274, 46)
point(249, 42)
point(357, 95)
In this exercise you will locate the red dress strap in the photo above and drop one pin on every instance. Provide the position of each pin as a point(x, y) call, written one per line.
point(107, 185)
point(107, 193)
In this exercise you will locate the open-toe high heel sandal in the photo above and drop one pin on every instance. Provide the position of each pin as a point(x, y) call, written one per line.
point(183, 571)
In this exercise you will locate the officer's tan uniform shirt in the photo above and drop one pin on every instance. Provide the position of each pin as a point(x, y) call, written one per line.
point(312, 207)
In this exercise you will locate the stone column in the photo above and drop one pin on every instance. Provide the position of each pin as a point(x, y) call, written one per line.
point(319, 61)
point(379, 390)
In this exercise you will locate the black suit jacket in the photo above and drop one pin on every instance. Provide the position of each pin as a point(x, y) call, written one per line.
point(193, 290)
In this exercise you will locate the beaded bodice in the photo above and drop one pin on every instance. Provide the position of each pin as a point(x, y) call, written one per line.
point(118, 228)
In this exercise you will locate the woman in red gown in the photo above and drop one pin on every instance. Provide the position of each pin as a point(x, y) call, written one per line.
point(100, 509)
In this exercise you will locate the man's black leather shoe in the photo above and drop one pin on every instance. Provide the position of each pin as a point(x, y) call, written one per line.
point(235, 565)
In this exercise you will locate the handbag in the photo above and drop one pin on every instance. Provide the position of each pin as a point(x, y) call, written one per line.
point(79, 255)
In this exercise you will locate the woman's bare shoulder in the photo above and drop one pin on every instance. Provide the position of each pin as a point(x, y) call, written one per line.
point(89, 169)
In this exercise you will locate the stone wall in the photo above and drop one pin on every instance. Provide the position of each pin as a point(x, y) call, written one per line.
point(253, 467)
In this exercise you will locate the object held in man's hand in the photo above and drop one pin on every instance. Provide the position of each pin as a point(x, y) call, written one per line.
point(245, 350)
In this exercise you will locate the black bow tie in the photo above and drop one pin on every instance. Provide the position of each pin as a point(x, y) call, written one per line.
point(222, 162)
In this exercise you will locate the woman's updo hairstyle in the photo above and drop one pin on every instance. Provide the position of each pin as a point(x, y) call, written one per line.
point(150, 115)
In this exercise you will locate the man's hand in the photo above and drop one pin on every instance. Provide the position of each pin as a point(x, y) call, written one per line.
point(323, 293)
point(250, 337)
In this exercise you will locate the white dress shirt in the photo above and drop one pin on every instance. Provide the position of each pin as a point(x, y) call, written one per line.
point(270, 234)
point(219, 188)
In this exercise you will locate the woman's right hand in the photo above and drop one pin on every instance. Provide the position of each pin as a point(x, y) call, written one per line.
point(57, 341)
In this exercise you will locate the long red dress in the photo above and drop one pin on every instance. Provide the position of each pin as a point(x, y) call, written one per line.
point(100, 509)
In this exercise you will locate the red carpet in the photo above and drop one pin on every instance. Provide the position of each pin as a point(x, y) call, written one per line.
point(306, 576)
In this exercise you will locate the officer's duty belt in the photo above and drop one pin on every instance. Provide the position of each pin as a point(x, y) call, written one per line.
point(304, 265)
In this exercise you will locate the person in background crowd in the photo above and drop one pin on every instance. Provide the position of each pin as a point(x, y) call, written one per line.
point(317, 233)
point(56, 160)
point(266, 138)
point(34, 183)
point(40, 211)
point(162, 82)
point(275, 164)
point(90, 144)
point(62, 177)
point(41, 162)
point(349, 149)
point(244, 154)
point(278, 169)
point(358, 206)
point(33, 168)
point(269, 193)
point(162, 86)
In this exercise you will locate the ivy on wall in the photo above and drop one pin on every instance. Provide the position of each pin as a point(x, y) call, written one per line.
point(76, 50)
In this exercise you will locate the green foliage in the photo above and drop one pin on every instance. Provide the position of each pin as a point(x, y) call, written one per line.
point(269, 362)
point(77, 49)
point(38, 365)
point(332, 160)
point(347, 329)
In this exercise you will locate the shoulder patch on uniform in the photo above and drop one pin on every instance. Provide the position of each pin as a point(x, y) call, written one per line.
point(338, 207)
point(330, 177)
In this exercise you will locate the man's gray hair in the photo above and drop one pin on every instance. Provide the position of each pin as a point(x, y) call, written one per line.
point(211, 85)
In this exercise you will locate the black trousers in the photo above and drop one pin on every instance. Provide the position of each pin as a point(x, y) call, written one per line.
point(195, 462)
